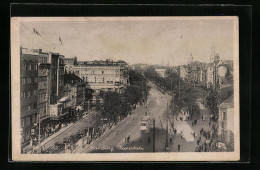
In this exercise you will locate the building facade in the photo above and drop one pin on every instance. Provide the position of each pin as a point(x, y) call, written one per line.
point(43, 103)
point(29, 91)
point(103, 76)
point(161, 72)
point(226, 121)
point(183, 72)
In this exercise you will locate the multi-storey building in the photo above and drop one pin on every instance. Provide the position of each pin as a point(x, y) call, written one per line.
point(226, 121)
point(183, 72)
point(43, 103)
point(210, 75)
point(103, 76)
point(161, 72)
point(57, 77)
point(76, 88)
point(29, 88)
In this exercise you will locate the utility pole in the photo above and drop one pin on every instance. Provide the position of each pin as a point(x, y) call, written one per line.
point(88, 106)
point(83, 139)
point(179, 89)
point(39, 137)
point(171, 85)
point(153, 135)
point(166, 142)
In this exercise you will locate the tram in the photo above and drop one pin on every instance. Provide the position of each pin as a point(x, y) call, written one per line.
point(145, 123)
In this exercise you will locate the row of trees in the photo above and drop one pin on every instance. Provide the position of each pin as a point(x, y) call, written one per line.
point(115, 104)
point(185, 95)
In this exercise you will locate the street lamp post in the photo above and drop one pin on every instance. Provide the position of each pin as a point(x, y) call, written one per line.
point(39, 135)
point(166, 142)
point(153, 135)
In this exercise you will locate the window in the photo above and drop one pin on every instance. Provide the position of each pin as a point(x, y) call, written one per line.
point(23, 94)
point(23, 81)
point(34, 118)
point(35, 79)
point(27, 108)
point(102, 72)
point(23, 66)
point(224, 116)
point(35, 67)
point(29, 67)
point(28, 93)
point(35, 105)
point(22, 122)
point(34, 92)
point(28, 121)
point(29, 80)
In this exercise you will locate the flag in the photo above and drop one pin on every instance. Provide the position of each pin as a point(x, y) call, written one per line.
point(36, 32)
point(60, 40)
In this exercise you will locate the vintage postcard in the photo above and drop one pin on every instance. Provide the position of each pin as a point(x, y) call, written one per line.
point(125, 88)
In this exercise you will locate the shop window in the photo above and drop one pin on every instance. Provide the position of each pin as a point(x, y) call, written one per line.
point(27, 135)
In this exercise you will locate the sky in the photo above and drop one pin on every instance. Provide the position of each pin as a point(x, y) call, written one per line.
point(147, 40)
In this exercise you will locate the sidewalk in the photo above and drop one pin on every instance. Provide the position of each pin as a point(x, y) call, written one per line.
point(187, 142)
point(46, 142)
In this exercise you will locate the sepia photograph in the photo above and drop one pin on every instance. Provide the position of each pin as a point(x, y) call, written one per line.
point(125, 88)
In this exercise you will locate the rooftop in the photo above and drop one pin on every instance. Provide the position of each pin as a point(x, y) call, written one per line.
point(228, 103)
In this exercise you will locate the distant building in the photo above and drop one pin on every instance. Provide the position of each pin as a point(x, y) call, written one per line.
point(183, 72)
point(210, 75)
point(226, 121)
point(103, 76)
point(161, 72)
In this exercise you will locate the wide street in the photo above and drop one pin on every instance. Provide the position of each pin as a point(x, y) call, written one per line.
point(114, 141)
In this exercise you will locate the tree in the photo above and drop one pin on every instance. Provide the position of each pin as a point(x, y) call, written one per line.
point(212, 101)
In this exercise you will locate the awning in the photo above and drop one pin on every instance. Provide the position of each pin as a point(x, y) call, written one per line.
point(64, 99)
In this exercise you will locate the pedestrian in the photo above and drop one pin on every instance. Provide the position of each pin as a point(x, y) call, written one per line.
point(201, 118)
point(179, 147)
point(198, 142)
point(149, 139)
point(128, 139)
point(194, 135)
point(209, 124)
point(170, 140)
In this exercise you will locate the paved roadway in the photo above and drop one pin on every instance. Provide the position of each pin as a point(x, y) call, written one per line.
point(114, 142)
